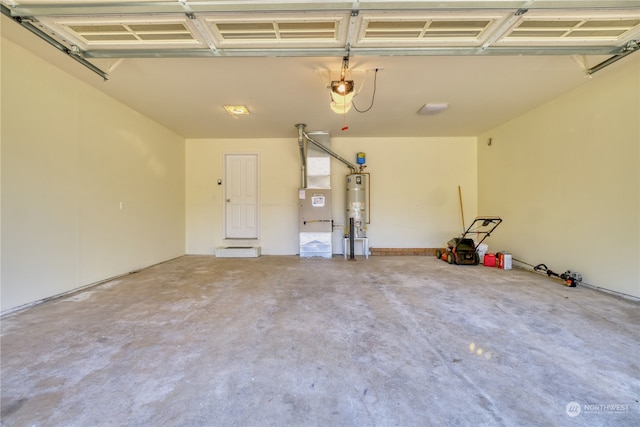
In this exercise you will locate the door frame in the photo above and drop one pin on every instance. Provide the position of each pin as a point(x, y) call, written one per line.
point(224, 199)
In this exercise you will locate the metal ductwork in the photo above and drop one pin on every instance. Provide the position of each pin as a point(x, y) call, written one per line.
point(303, 153)
point(314, 197)
point(302, 134)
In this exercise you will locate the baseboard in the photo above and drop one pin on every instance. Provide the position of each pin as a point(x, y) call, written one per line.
point(403, 251)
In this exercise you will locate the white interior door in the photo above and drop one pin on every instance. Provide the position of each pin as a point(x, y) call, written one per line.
point(241, 196)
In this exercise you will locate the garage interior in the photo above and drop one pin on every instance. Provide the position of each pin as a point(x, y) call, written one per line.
point(119, 164)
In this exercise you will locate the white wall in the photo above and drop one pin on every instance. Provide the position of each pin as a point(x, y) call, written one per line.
point(414, 190)
point(70, 155)
point(565, 178)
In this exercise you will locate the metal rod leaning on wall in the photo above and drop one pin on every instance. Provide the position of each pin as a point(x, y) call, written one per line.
point(461, 208)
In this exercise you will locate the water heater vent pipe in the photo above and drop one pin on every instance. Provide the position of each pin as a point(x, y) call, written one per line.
point(336, 156)
point(303, 152)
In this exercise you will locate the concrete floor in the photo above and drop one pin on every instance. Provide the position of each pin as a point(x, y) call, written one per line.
point(276, 341)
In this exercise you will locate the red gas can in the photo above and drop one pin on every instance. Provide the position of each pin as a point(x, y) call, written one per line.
point(490, 260)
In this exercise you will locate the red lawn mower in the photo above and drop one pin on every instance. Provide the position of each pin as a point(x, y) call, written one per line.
point(463, 250)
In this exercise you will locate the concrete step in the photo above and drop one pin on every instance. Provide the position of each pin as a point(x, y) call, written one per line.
point(238, 252)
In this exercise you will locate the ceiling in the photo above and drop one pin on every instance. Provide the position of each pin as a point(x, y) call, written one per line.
point(180, 62)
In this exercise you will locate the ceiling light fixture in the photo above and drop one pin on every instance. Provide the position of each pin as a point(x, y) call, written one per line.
point(342, 90)
point(428, 109)
point(236, 110)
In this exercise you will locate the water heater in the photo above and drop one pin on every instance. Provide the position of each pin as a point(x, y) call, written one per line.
point(357, 202)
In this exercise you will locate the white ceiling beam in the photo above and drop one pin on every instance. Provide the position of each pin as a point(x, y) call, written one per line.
point(83, 8)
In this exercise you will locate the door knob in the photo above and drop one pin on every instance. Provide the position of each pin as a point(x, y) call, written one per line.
point(228, 200)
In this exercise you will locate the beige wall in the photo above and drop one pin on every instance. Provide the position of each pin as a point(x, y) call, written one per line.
point(70, 155)
point(414, 190)
point(278, 191)
point(565, 178)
